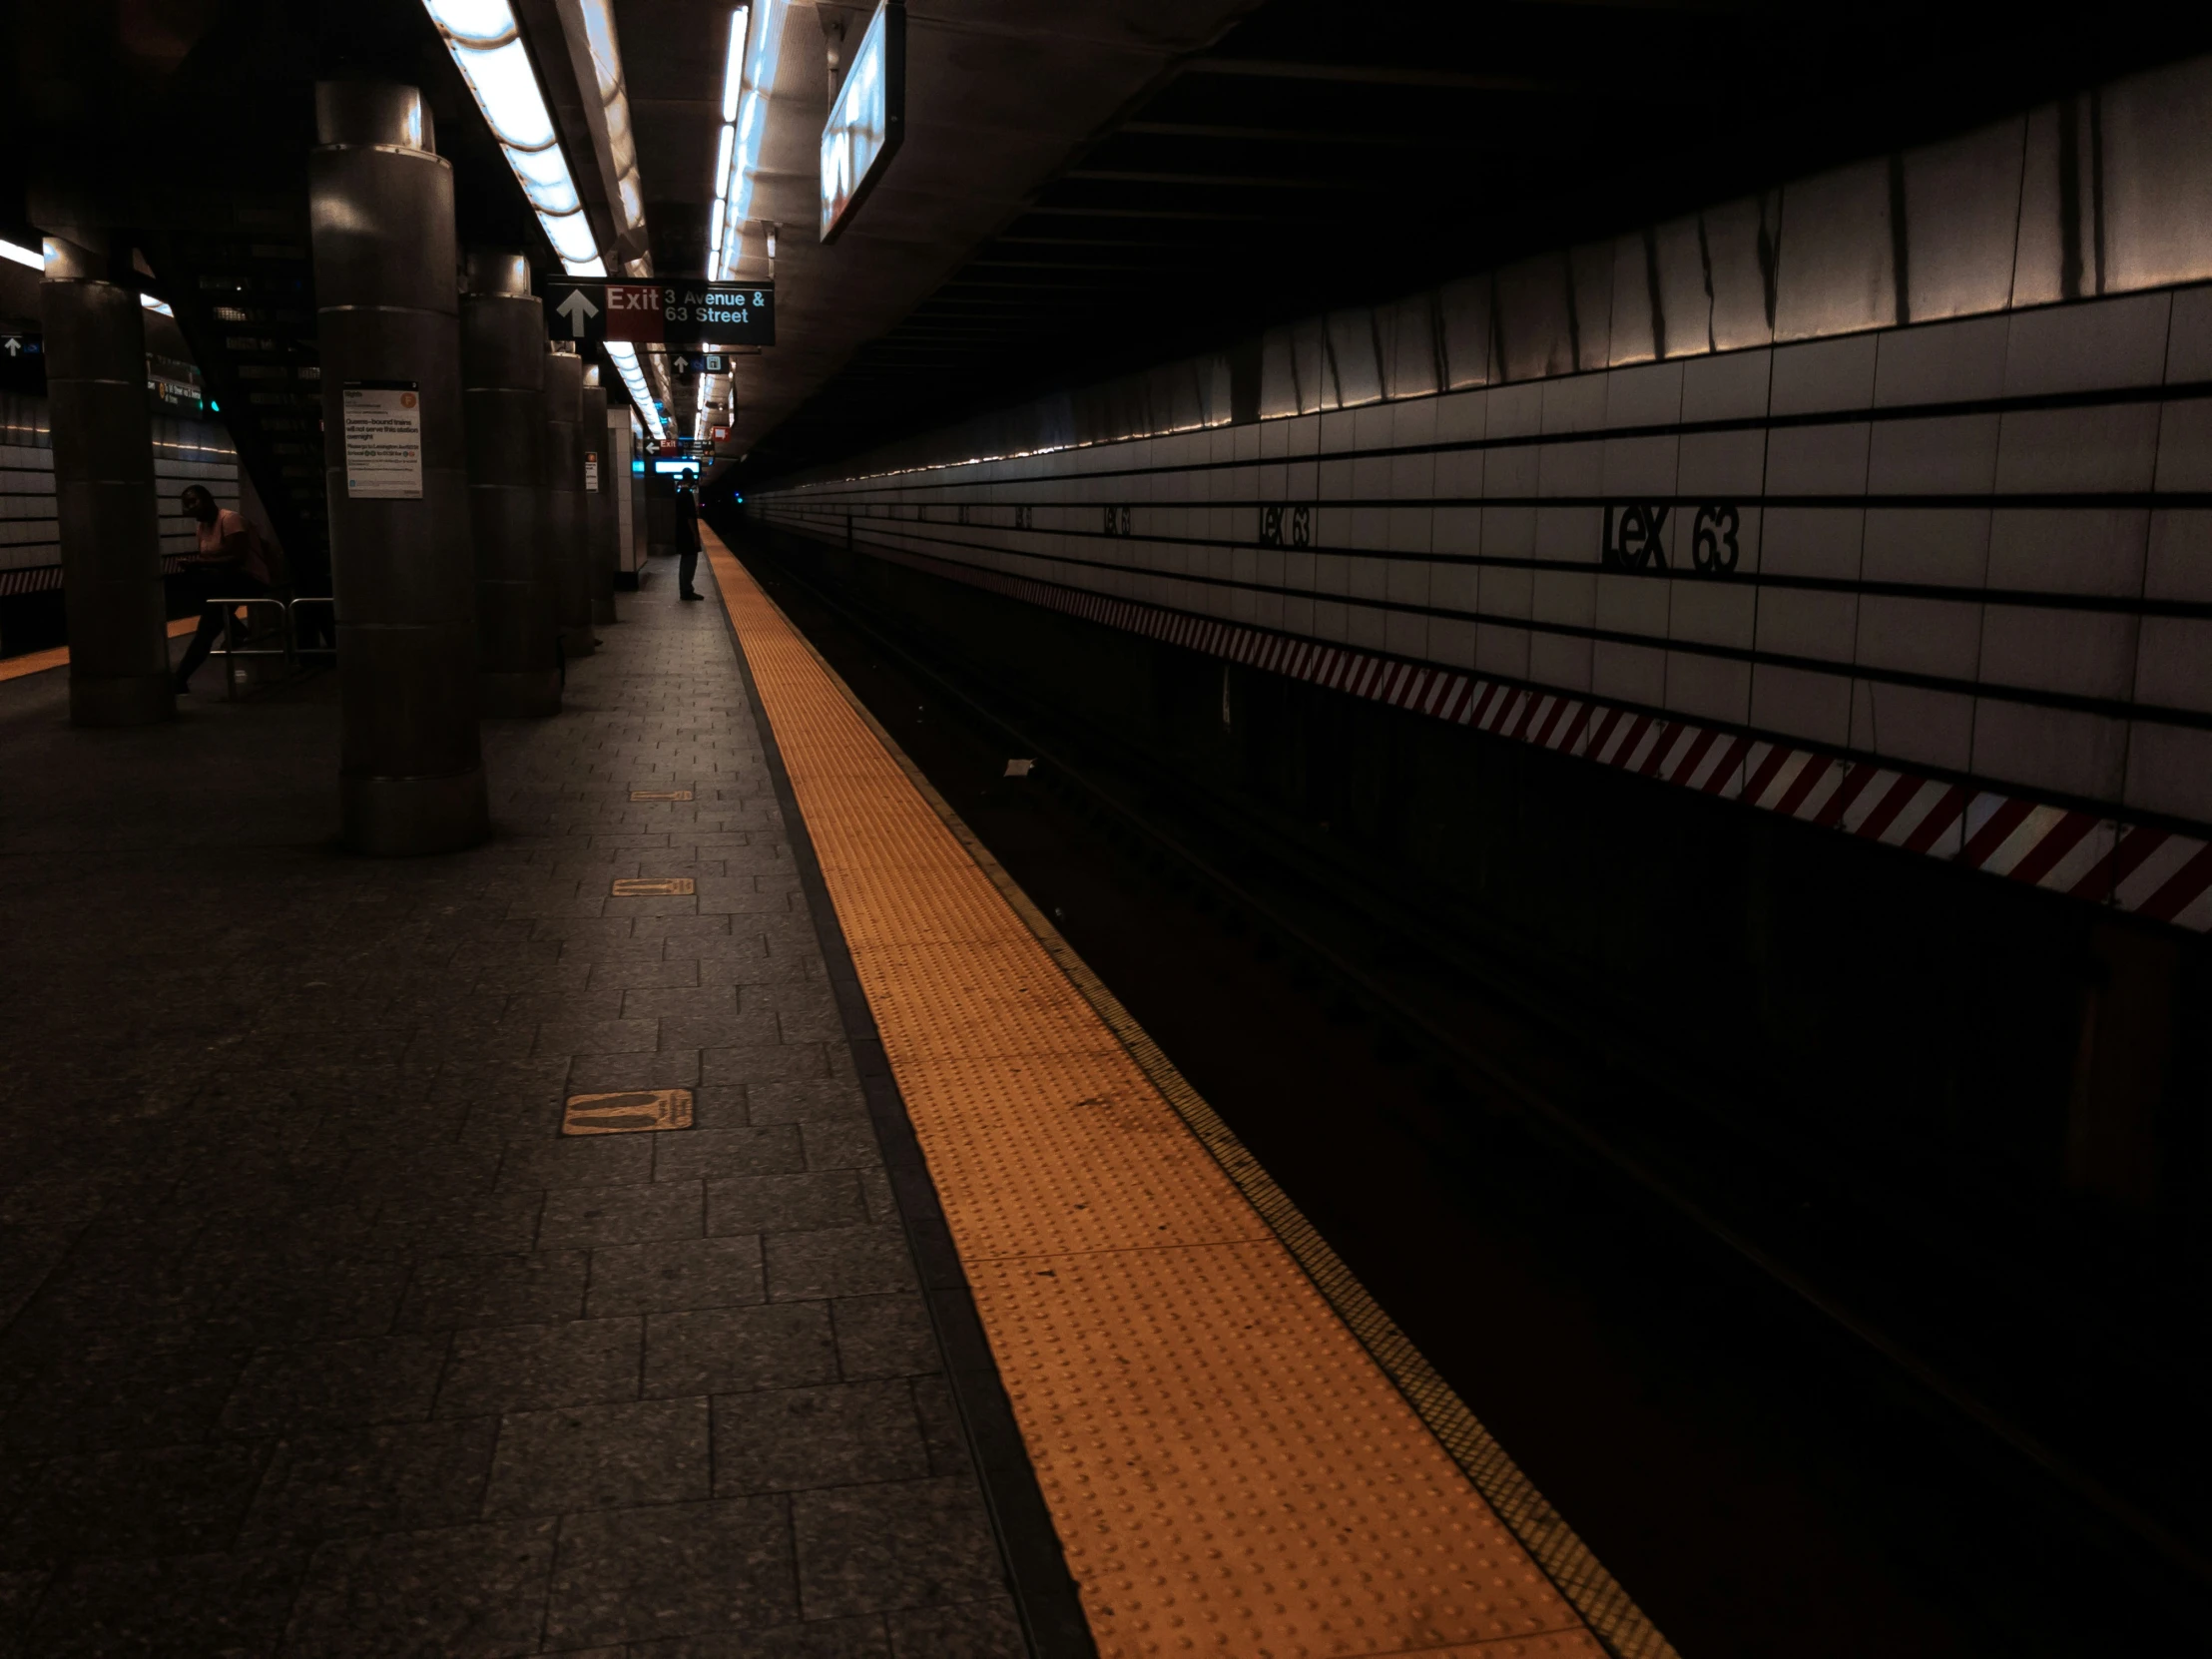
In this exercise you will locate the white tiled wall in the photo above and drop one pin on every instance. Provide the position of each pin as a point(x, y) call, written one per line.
point(185, 452)
point(1978, 541)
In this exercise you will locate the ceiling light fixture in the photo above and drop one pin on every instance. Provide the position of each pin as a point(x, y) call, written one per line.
point(732, 88)
point(31, 256)
point(748, 122)
point(722, 204)
point(732, 65)
point(487, 47)
point(614, 101)
point(625, 358)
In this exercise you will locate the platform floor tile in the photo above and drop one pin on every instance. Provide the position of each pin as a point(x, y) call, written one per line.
point(319, 1339)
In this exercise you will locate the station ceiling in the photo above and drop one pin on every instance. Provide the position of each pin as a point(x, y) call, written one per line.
point(1088, 185)
point(1089, 188)
point(998, 94)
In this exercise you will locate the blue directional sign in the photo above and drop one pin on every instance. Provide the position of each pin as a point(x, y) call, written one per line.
point(22, 359)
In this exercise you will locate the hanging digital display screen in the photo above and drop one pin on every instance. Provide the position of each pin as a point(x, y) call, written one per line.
point(866, 121)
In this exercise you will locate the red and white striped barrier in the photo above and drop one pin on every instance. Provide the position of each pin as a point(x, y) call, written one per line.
point(2147, 872)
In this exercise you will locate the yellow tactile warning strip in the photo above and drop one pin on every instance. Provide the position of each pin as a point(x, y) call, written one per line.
point(38, 662)
point(1604, 1606)
point(1229, 1470)
point(660, 794)
point(652, 886)
point(627, 1112)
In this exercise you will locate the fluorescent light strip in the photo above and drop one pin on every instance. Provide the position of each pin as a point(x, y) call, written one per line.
point(625, 358)
point(733, 86)
point(722, 161)
point(36, 262)
point(487, 48)
point(732, 65)
point(614, 100)
point(752, 123)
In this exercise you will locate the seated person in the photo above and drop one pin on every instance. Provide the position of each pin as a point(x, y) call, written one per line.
point(232, 563)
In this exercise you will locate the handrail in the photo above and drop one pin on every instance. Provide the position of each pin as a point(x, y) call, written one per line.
point(288, 646)
point(232, 609)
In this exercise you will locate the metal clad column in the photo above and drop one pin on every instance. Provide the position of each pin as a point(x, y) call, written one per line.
point(411, 774)
point(641, 512)
point(621, 452)
point(104, 490)
point(564, 502)
point(518, 661)
point(599, 499)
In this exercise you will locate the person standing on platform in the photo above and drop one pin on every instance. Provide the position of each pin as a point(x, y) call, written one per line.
point(232, 563)
point(686, 539)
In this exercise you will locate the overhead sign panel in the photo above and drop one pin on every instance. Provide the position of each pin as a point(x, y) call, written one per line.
point(685, 312)
point(866, 121)
point(686, 364)
point(22, 359)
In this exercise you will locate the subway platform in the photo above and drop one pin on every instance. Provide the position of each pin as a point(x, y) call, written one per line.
point(924, 1312)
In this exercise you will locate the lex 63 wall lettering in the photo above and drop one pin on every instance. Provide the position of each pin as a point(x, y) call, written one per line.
point(1655, 536)
point(1287, 526)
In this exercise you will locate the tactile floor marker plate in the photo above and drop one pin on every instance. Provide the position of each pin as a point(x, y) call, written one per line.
point(628, 1112)
point(653, 886)
point(1229, 1470)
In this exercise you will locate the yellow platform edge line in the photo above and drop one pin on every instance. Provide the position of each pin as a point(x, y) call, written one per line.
point(38, 662)
point(1593, 1591)
point(1560, 1555)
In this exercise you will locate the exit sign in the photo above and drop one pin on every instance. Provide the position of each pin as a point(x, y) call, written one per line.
point(662, 313)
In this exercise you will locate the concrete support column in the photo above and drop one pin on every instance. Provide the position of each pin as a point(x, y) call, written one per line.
point(564, 502)
point(380, 205)
point(104, 488)
point(518, 652)
point(599, 499)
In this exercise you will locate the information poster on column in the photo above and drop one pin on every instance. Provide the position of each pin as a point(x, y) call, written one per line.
point(383, 440)
point(591, 470)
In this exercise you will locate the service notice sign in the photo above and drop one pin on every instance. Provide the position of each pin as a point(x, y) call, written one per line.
point(591, 470)
point(384, 439)
point(684, 312)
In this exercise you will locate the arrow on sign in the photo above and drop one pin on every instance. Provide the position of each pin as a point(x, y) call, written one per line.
point(576, 308)
point(15, 348)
